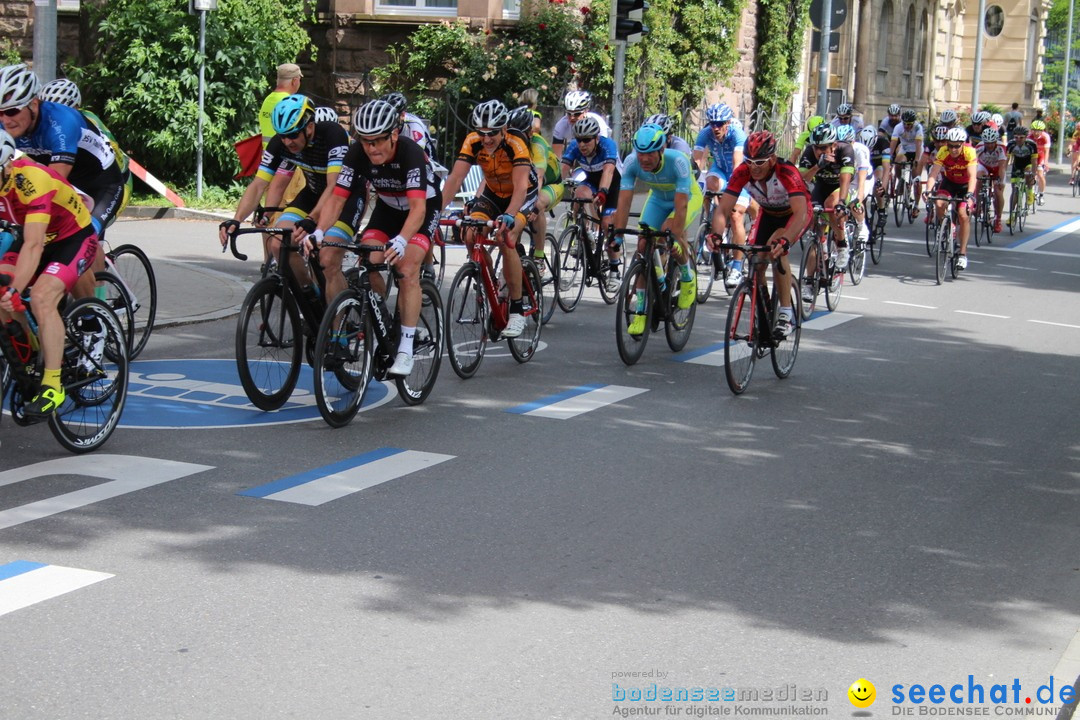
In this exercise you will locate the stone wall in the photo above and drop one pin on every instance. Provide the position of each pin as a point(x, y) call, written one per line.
point(17, 29)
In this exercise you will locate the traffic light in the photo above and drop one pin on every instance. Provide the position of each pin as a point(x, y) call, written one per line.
point(626, 24)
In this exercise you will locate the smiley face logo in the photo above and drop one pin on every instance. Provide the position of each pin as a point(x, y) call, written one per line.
point(862, 693)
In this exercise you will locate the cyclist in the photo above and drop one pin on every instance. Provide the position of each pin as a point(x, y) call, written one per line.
point(1024, 152)
point(577, 104)
point(938, 140)
point(317, 149)
point(831, 165)
point(800, 142)
point(992, 160)
point(979, 121)
point(862, 184)
point(781, 193)
point(907, 144)
point(405, 216)
point(1074, 153)
point(598, 157)
point(548, 173)
point(935, 140)
point(845, 115)
point(673, 203)
point(723, 138)
point(1042, 141)
point(62, 138)
point(890, 122)
point(880, 162)
point(668, 123)
point(508, 193)
point(956, 161)
point(413, 127)
point(57, 246)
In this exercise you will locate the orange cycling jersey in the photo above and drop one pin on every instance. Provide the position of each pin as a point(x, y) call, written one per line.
point(498, 166)
point(34, 193)
point(955, 169)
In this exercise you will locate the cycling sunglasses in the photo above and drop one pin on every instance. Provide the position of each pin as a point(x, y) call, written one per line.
point(294, 134)
point(757, 163)
point(719, 124)
point(488, 133)
point(11, 112)
point(955, 146)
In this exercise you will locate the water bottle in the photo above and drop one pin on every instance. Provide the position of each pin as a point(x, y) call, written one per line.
point(20, 343)
point(658, 268)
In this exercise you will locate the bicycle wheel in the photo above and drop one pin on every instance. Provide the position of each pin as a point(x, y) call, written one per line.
point(439, 256)
point(608, 284)
point(268, 344)
point(631, 346)
point(740, 340)
point(834, 280)
point(704, 265)
point(1014, 209)
point(1025, 208)
point(988, 225)
point(427, 348)
point(679, 322)
point(549, 275)
point(975, 222)
point(877, 237)
point(95, 382)
point(344, 346)
point(910, 203)
point(900, 202)
point(808, 278)
point(954, 258)
point(857, 262)
point(785, 351)
point(466, 321)
point(941, 248)
point(571, 268)
point(138, 277)
point(111, 291)
point(523, 347)
point(1074, 181)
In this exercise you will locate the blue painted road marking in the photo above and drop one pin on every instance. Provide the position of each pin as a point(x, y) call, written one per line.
point(576, 401)
point(345, 477)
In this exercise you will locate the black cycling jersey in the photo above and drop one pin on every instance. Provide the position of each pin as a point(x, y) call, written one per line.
point(880, 148)
point(323, 153)
point(843, 157)
point(408, 171)
point(1023, 153)
point(974, 136)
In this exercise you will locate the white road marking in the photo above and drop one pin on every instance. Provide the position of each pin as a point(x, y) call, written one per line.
point(991, 315)
point(896, 302)
point(43, 583)
point(1047, 322)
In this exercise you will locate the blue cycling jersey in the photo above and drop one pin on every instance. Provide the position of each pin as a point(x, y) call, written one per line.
point(63, 135)
point(672, 177)
point(606, 152)
point(722, 151)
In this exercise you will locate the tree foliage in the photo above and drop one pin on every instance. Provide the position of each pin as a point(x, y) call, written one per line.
point(781, 29)
point(145, 79)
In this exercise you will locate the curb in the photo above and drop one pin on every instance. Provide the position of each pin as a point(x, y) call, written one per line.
point(171, 213)
point(240, 286)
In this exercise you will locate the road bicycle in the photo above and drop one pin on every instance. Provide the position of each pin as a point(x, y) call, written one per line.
point(818, 270)
point(477, 312)
point(946, 241)
point(132, 271)
point(982, 224)
point(583, 255)
point(858, 248)
point(709, 263)
point(903, 195)
point(878, 219)
point(279, 319)
point(750, 331)
point(1074, 181)
point(93, 373)
point(1020, 199)
point(358, 339)
point(659, 285)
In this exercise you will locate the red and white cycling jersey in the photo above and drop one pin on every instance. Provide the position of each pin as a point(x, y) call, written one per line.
point(990, 159)
point(774, 194)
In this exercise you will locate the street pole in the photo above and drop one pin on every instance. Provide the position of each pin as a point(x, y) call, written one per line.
point(978, 57)
point(45, 40)
point(617, 93)
point(823, 59)
point(1065, 86)
point(202, 93)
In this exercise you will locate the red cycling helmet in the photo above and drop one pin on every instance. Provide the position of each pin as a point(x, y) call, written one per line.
point(760, 145)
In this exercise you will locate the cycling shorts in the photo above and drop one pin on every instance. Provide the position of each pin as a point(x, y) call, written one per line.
point(952, 189)
point(612, 202)
point(820, 191)
point(345, 227)
point(65, 259)
point(386, 222)
point(656, 211)
point(487, 205)
point(993, 173)
point(553, 193)
point(766, 226)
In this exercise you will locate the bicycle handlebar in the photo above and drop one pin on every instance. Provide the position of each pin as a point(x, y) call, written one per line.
point(16, 299)
point(285, 233)
point(754, 250)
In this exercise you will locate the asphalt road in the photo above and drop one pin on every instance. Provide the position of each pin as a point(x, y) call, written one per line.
point(903, 509)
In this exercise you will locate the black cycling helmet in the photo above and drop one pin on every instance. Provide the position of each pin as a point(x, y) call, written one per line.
point(396, 99)
point(909, 116)
point(521, 119)
point(823, 134)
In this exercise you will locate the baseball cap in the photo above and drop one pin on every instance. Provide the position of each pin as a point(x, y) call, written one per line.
point(288, 71)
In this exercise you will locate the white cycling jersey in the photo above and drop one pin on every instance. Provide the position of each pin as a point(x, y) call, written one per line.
point(909, 139)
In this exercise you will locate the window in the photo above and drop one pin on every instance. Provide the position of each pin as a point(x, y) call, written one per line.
point(884, 33)
point(994, 20)
point(417, 7)
point(511, 9)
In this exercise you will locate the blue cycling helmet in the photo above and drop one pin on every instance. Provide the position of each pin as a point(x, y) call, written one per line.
point(719, 112)
point(845, 133)
point(650, 138)
point(292, 114)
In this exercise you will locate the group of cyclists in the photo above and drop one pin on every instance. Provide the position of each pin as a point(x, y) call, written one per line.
point(73, 181)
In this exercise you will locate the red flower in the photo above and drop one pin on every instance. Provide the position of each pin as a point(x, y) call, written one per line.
point(542, 26)
point(585, 10)
point(570, 58)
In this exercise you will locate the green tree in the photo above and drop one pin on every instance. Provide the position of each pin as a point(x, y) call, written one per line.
point(145, 79)
point(781, 28)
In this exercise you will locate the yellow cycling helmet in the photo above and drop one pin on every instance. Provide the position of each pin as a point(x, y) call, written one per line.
point(813, 121)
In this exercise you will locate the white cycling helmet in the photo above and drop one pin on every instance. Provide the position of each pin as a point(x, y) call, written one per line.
point(997, 119)
point(325, 114)
point(490, 114)
point(586, 127)
point(577, 101)
point(948, 116)
point(18, 86)
point(374, 118)
point(894, 109)
point(990, 135)
point(956, 134)
point(665, 121)
point(7, 147)
point(845, 133)
point(844, 109)
point(939, 133)
point(980, 117)
point(867, 135)
point(61, 91)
